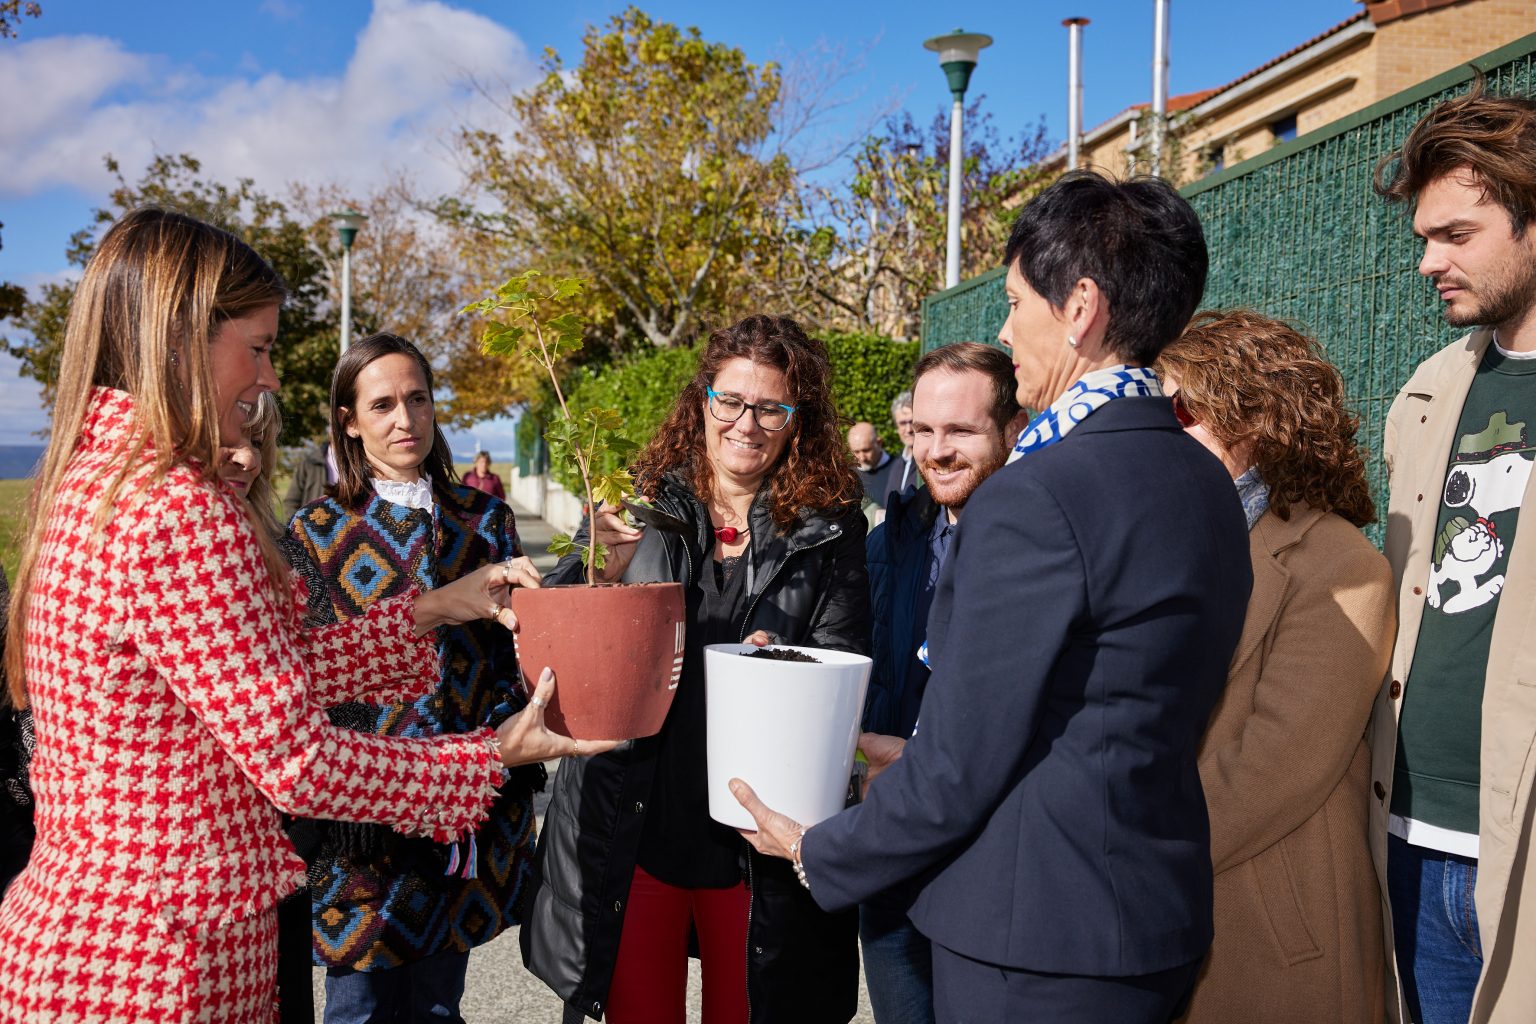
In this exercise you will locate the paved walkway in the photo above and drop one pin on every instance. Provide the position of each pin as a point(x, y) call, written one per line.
point(499, 990)
point(535, 534)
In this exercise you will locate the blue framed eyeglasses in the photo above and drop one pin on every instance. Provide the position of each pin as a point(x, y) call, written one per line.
point(727, 408)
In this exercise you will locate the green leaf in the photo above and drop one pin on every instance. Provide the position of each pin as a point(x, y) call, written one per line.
point(567, 287)
point(605, 419)
point(501, 339)
point(561, 545)
point(612, 488)
point(621, 446)
point(595, 557)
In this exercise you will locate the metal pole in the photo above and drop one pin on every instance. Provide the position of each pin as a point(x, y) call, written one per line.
point(346, 296)
point(1159, 81)
point(1074, 89)
point(956, 169)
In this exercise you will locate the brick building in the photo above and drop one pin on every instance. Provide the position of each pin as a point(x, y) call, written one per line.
point(1381, 49)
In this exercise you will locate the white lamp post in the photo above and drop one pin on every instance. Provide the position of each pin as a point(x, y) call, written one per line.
point(1074, 89)
point(347, 223)
point(957, 56)
point(1159, 82)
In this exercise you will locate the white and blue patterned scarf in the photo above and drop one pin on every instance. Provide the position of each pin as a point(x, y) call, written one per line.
point(1092, 391)
point(1254, 493)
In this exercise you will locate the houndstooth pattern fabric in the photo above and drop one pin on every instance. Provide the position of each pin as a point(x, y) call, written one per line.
point(171, 696)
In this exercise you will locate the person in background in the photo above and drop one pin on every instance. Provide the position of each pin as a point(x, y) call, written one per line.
point(175, 710)
point(1452, 810)
point(313, 472)
point(632, 869)
point(1284, 763)
point(246, 469)
point(394, 917)
point(481, 478)
point(878, 472)
point(963, 418)
point(1049, 803)
point(901, 416)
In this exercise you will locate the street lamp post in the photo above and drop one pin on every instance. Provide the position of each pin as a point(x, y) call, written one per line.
point(957, 56)
point(347, 223)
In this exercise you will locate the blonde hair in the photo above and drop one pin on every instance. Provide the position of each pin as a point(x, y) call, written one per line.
point(265, 424)
point(154, 293)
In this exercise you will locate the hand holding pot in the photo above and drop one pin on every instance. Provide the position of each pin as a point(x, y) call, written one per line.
point(881, 752)
point(775, 832)
point(524, 739)
point(483, 594)
point(619, 538)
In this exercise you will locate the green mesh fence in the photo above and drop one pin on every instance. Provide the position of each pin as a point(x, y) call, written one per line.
point(1298, 233)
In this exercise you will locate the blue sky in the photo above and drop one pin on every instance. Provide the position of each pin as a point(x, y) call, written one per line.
point(344, 90)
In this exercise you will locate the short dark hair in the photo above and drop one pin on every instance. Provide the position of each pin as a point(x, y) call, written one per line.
point(353, 479)
point(974, 357)
point(1138, 240)
point(1492, 137)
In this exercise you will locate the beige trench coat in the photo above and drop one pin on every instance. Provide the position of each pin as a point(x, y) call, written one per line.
point(1286, 774)
point(1419, 432)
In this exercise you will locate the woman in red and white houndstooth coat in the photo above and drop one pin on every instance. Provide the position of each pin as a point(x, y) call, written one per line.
point(177, 703)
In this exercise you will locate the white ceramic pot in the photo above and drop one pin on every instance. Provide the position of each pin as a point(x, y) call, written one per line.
point(788, 729)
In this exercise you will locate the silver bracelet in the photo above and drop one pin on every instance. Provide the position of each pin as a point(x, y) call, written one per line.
point(795, 860)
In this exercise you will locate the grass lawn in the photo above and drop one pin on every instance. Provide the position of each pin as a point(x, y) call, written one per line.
point(13, 507)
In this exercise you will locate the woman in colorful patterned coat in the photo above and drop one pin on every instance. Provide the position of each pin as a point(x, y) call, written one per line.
point(395, 918)
point(176, 698)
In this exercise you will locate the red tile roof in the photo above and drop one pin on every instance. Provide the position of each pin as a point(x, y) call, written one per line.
point(1187, 100)
point(1383, 11)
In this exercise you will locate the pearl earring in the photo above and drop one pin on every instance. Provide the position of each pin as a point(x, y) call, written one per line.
point(1072, 340)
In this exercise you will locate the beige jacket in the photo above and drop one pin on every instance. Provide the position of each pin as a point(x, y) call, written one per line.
point(1286, 774)
point(1417, 442)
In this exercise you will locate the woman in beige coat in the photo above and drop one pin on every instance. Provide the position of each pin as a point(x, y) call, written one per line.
point(1284, 761)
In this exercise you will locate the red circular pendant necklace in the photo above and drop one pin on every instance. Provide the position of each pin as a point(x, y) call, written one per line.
point(729, 534)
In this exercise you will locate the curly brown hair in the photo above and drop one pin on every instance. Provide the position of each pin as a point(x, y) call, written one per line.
point(813, 474)
point(1251, 379)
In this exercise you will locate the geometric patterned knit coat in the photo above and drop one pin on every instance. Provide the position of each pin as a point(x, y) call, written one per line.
point(379, 899)
point(177, 704)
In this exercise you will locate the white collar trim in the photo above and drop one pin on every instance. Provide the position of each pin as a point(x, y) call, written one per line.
point(412, 494)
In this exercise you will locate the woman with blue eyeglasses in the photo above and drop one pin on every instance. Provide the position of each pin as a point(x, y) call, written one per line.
point(633, 874)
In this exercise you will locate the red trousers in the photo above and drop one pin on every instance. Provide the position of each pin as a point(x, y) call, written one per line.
point(650, 980)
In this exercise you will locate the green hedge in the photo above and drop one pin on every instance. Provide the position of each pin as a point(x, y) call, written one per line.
point(867, 372)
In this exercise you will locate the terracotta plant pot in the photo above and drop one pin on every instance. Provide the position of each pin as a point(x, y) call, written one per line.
point(617, 652)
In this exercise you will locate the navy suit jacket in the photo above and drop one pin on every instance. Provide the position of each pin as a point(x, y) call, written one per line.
point(1049, 803)
point(898, 552)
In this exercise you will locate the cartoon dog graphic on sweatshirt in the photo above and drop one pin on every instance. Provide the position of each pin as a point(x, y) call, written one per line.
point(1488, 476)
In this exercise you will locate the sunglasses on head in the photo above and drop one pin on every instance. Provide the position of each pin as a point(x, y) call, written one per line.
point(1181, 411)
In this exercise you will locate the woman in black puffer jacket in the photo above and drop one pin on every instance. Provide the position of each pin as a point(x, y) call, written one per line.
point(632, 872)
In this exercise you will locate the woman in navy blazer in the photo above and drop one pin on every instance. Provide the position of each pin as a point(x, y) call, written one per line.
point(1049, 803)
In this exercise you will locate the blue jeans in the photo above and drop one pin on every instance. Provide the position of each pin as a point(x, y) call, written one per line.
point(898, 962)
point(425, 990)
point(1434, 927)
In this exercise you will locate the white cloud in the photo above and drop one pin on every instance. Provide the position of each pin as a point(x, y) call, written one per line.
point(406, 86)
point(21, 405)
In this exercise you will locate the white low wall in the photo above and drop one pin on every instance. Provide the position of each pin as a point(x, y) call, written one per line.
point(546, 499)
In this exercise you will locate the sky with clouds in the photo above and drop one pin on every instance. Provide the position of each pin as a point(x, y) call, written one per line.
point(346, 90)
